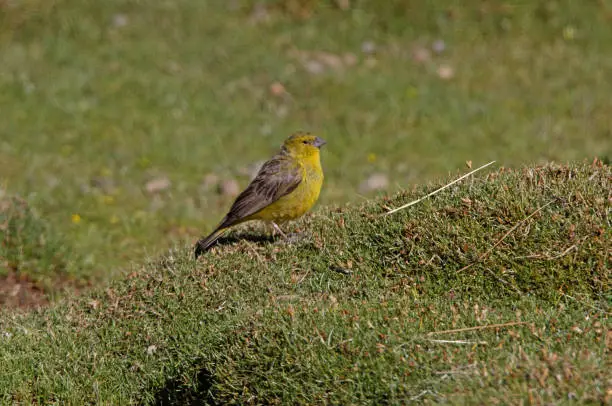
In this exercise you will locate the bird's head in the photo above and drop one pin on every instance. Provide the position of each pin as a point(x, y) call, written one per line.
point(303, 144)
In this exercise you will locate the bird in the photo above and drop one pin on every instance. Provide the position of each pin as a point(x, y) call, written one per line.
point(285, 188)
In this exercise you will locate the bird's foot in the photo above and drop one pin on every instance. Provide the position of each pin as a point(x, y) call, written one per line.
point(294, 238)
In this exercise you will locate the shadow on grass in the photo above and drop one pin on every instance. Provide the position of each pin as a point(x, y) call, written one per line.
point(252, 237)
point(175, 392)
point(234, 238)
point(302, 238)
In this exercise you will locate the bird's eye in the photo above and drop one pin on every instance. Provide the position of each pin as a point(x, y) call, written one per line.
point(305, 142)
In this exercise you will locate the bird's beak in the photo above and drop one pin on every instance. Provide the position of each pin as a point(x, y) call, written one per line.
point(319, 142)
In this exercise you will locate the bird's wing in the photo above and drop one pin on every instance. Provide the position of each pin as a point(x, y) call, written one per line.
point(276, 178)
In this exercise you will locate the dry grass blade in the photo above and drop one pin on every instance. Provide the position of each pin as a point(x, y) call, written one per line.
point(437, 190)
point(551, 257)
point(457, 342)
point(486, 326)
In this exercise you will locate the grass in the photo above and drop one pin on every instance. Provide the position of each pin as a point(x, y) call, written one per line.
point(35, 262)
point(356, 311)
point(26, 244)
point(100, 98)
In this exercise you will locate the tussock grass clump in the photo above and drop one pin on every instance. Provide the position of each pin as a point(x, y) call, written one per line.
point(28, 245)
point(466, 297)
point(35, 263)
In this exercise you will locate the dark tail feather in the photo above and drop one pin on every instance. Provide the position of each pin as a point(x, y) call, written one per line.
point(205, 243)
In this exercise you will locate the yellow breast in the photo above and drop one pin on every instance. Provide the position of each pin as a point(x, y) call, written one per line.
point(301, 199)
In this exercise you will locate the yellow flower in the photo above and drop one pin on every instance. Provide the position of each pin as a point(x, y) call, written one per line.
point(144, 162)
point(76, 218)
point(371, 157)
point(569, 33)
point(67, 150)
point(412, 92)
point(108, 199)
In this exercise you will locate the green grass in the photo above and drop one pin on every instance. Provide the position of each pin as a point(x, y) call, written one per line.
point(346, 315)
point(100, 97)
point(28, 246)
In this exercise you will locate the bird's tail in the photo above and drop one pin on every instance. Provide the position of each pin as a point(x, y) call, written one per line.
point(205, 243)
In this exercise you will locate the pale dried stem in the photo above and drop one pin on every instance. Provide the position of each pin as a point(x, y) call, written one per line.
point(437, 190)
point(486, 326)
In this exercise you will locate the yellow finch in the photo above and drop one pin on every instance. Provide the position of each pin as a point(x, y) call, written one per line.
point(285, 188)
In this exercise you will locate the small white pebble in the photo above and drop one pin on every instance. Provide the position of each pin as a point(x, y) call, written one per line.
point(438, 46)
point(158, 185)
point(314, 67)
point(229, 187)
point(376, 181)
point(368, 47)
point(120, 20)
point(210, 180)
point(446, 72)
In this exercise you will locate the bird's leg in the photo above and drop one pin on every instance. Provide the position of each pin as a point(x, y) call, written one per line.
point(288, 238)
point(278, 229)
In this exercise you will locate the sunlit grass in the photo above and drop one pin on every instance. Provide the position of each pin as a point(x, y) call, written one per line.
point(99, 98)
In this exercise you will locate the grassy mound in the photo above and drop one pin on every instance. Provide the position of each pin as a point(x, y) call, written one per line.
point(497, 289)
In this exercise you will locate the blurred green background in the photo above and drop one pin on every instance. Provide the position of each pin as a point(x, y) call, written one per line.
point(130, 126)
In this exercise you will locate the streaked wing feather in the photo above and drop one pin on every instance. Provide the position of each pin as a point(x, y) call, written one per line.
point(276, 178)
